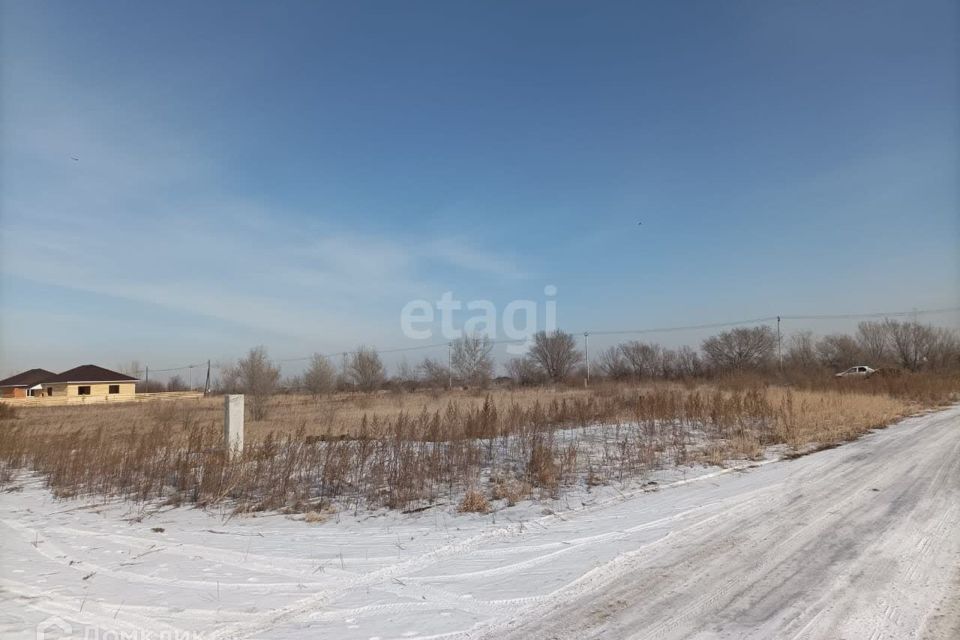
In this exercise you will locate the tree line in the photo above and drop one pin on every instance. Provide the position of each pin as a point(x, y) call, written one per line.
point(555, 357)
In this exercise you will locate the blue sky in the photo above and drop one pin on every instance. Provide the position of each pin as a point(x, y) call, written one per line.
point(291, 174)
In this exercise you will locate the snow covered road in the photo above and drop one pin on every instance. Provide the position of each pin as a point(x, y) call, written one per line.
point(861, 541)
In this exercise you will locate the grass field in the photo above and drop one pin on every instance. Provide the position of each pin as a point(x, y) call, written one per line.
point(406, 450)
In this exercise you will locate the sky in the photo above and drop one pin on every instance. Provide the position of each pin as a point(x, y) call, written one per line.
point(182, 181)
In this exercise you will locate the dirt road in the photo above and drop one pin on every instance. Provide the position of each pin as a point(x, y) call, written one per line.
point(857, 542)
point(862, 541)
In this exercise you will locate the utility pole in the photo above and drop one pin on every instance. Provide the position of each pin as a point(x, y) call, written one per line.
point(206, 385)
point(779, 346)
point(449, 366)
point(146, 382)
point(586, 357)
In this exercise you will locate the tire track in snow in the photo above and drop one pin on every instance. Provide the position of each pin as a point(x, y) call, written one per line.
point(845, 477)
point(55, 553)
point(305, 606)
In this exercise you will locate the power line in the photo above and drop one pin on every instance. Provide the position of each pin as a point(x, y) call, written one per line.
point(186, 366)
point(380, 351)
point(888, 314)
point(770, 319)
point(692, 327)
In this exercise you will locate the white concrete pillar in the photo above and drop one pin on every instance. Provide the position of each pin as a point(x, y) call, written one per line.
point(233, 423)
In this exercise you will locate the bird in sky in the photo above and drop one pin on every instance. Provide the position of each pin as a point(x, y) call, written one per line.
point(75, 158)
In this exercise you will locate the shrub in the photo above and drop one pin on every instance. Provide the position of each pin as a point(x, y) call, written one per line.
point(512, 490)
point(474, 502)
point(315, 517)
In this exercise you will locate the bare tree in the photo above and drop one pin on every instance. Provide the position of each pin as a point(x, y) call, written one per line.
point(667, 365)
point(555, 353)
point(320, 376)
point(434, 373)
point(176, 383)
point(135, 369)
point(257, 378)
point(741, 348)
point(612, 364)
point(874, 341)
point(802, 351)
point(946, 353)
point(228, 381)
point(838, 351)
point(643, 358)
point(471, 360)
point(913, 344)
point(365, 369)
point(525, 371)
point(406, 376)
point(689, 364)
point(131, 368)
point(291, 384)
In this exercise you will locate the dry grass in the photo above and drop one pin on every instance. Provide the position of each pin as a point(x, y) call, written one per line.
point(408, 450)
point(509, 490)
point(474, 502)
point(7, 411)
point(315, 517)
point(823, 417)
point(329, 416)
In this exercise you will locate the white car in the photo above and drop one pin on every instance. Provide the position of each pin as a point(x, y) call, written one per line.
point(860, 371)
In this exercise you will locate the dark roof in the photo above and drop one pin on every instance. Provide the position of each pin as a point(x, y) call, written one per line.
point(28, 378)
point(91, 373)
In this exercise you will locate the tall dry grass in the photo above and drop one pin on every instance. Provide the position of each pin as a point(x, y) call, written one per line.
point(406, 451)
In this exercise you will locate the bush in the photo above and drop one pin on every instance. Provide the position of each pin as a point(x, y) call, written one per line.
point(512, 490)
point(474, 502)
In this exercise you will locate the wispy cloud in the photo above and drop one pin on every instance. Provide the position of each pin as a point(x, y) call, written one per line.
point(464, 254)
point(144, 215)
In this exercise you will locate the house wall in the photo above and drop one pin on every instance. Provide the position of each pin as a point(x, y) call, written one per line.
point(13, 392)
point(99, 389)
point(59, 389)
point(65, 400)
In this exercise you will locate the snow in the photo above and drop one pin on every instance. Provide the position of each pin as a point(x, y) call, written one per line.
point(708, 551)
